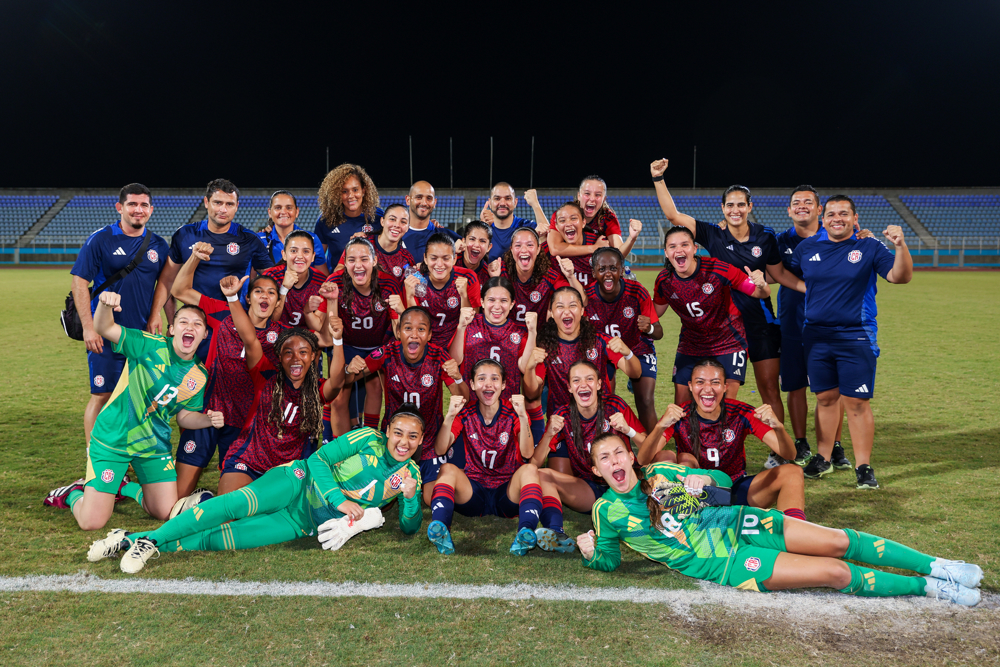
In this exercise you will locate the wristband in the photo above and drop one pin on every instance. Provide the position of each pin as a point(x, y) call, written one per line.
point(338, 341)
point(232, 297)
point(630, 355)
point(282, 290)
point(650, 330)
point(657, 179)
point(458, 381)
point(631, 433)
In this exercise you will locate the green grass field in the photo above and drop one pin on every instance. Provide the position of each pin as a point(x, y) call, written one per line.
point(936, 456)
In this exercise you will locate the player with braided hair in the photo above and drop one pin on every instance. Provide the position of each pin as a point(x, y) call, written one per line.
point(288, 421)
point(348, 204)
point(745, 547)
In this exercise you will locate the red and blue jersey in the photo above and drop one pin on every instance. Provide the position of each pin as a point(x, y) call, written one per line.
point(720, 441)
point(581, 263)
point(336, 238)
point(605, 223)
point(276, 246)
point(535, 297)
point(233, 253)
point(555, 369)
point(298, 297)
point(504, 343)
point(393, 263)
point(618, 317)
point(445, 305)
point(564, 445)
point(710, 322)
point(492, 451)
point(415, 240)
point(482, 271)
point(367, 320)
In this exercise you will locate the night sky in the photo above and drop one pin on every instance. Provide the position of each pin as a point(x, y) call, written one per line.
point(847, 94)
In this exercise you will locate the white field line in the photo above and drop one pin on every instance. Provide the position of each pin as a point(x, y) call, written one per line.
point(680, 601)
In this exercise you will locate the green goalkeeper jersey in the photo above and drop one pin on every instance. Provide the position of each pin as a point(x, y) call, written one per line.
point(155, 385)
point(701, 545)
point(358, 467)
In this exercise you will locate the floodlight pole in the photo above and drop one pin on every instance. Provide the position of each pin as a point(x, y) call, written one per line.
point(694, 176)
point(411, 159)
point(451, 166)
point(328, 159)
point(491, 163)
point(531, 174)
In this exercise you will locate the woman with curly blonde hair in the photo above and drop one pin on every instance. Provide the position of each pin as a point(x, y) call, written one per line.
point(348, 204)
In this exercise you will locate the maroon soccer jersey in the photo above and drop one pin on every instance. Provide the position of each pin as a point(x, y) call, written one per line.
point(556, 368)
point(562, 444)
point(504, 343)
point(710, 321)
point(259, 447)
point(445, 304)
point(605, 223)
point(366, 319)
point(492, 452)
point(618, 317)
point(418, 383)
point(581, 263)
point(298, 297)
point(721, 441)
point(535, 297)
point(482, 273)
point(393, 263)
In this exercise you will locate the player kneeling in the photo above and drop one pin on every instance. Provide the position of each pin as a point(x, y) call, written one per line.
point(496, 480)
point(754, 549)
point(336, 492)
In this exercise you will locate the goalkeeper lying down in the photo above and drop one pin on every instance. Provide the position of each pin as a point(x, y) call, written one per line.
point(336, 492)
point(671, 514)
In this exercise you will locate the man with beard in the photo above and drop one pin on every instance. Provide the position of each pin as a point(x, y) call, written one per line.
point(499, 214)
point(422, 202)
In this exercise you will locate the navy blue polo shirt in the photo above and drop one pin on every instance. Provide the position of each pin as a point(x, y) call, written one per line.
point(273, 241)
point(415, 240)
point(502, 237)
point(234, 252)
point(335, 239)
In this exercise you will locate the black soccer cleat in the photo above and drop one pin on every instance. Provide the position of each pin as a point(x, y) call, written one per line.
point(817, 467)
point(837, 458)
point(866, 477)
point(802, 452)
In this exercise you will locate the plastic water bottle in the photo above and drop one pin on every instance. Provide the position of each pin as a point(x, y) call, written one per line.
point(627, 274)
point(421, 289)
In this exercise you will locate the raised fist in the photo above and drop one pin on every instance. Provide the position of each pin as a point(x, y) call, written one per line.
point(455, 406)
point(465, 317)
point(329, 290)
point(766, 415)
point(531, 322)
point(517, 402)
point(202, 250)
point(673, 415)
point(231, 285)
point(618, 346)
point(462, 285)
point(111, 300)
point(357, 365)
point(336, 326)
point(451, 368)
point(556, 423)
point(658, 167)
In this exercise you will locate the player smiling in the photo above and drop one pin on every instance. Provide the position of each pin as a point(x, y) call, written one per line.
point(448, 289)
point(474, 254)
point(392, 255)
point(533, 274)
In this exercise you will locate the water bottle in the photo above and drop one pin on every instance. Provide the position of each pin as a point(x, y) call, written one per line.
point(627, 274)
point(421, 289)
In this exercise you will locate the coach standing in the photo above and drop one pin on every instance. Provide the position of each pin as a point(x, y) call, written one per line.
point(840, 334)
point(108, 251)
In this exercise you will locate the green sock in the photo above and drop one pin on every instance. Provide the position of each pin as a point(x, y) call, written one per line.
point(133, 491)
point(248, 533)
point(73, 498)
point(871, 583)
point(873, 550)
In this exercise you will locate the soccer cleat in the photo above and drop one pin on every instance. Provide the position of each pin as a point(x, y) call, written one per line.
point(135, 558)
point(837, 458)
point(866, 477)
point(524, 542)
point(186, 503)
point(951, 590)
point(118, 496)
point(966, 574)
point(773, 461)
point(802, 452)
point(817, 467)
point(108, 546)
point(60, 497)
point(550, 540)
point(440, 537)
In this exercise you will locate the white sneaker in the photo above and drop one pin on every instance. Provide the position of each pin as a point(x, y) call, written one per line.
point(773, 461)
point(141, 550)
point(335, 532)
point(186, 503)
point(966, 574)
point(106, 547)
point(950, 590)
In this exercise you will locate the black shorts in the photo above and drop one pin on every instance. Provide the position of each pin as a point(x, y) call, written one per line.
point(764, 342)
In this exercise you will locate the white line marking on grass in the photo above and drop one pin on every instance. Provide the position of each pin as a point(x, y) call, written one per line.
point(681, 601)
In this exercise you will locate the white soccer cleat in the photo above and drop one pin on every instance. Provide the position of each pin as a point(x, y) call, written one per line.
point(773, 461)
point(135, 558)
point(950, 590)
point(967, 574)
point(106, 547)
point(335, 532)
point(186, 503)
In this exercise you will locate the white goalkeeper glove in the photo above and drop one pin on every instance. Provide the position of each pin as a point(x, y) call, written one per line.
point(335, 532)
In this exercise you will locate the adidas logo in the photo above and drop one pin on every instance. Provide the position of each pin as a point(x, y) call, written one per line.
point(119, 252)
point(729, 247)
point(737, 372)
point(674, 296)
point(788, 251)
point(558, 360)
point(474, 437)
point(814, 258)
point(595, 317)
point(863, 389)
point(478, 335)
point(336, 230)
point(161, 367)
point(395, 378)
point(424, 304)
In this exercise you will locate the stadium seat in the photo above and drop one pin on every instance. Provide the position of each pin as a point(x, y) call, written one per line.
point(19, 212)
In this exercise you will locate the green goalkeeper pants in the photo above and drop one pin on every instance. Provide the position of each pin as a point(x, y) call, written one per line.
point(270, 510)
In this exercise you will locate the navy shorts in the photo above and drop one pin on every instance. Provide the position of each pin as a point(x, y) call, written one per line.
point(105, 369)
point(741, 487)
point(488, 502)
point(356, 403)
point(793, 365)
point(847, 365)
point(598, 489)
point(429, 468)
point(764, 342)
point(735, 364)
point(196, 447)
point(235, 465)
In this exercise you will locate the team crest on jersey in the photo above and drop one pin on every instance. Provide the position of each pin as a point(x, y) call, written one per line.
point(376, 353)
point(427, 380)
point(108, 476)
point(98, 380)
point(378, 307)
point(152, 255)
point(367, 229)
point(395, 481)
point(756, 251)
point(628, 312)
point(241, 466)
point(272, 336)
point(707, 288)
point(397, 271)
point(192, 384)
point(854, 256)
point(452, 302)
point(535, 296)
point(299, 472)
point(592, 354)
point(752, 564)
point(607, 426)
point(233, 248)
point(190, 446)
point(729, 435)
point(504, 437)
point(515, 338)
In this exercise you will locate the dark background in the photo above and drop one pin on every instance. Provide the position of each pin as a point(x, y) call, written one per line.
point(172, 95)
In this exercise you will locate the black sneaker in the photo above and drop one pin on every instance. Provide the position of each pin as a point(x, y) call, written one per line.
point(817, 467)
point(802, 452)
point(866, 477)
point(837, 458)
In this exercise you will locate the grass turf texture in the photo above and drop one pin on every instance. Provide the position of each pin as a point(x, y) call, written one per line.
point(936, 456)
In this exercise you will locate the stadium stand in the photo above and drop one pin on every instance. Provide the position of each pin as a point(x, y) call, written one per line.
point(956, 215)
point(19, 213)
point(874, 213)
point(85, 214)
point(252, 212)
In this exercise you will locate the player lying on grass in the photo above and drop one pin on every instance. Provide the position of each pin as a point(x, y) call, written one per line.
point(709, 433)
point(662, 512)
point(336, 492)
point(496, 437)
point(162, 378)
